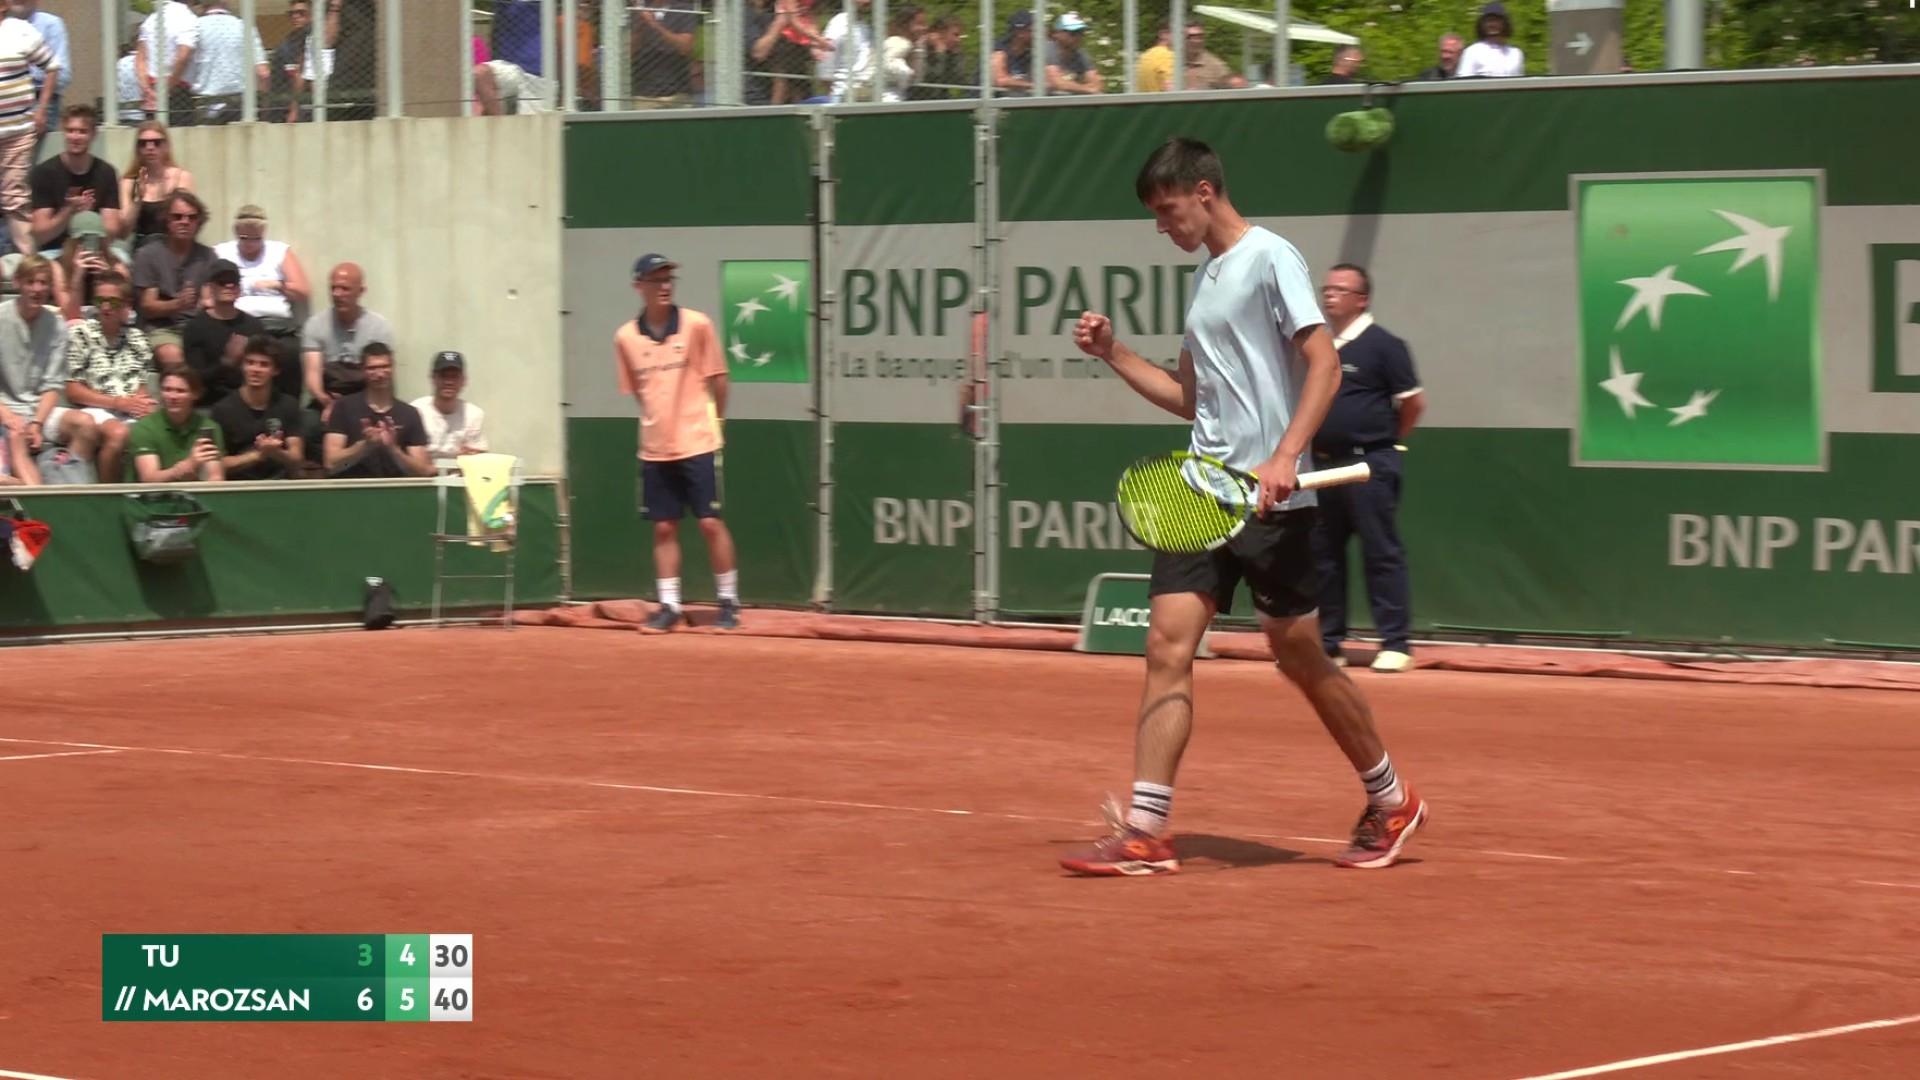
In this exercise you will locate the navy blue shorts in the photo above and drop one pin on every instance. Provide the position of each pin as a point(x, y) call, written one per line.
point(669, 490)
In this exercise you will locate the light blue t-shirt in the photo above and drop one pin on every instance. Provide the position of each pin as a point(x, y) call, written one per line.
point(1247, 305)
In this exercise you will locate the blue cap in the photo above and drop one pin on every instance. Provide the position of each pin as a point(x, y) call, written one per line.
point(648, 263)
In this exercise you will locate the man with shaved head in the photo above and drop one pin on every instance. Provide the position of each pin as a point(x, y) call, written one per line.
point(334, 340)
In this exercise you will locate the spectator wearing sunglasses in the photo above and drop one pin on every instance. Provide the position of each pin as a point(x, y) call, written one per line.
point(171, 277)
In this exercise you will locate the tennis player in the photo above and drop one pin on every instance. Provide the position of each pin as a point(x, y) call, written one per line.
point(1257, 374)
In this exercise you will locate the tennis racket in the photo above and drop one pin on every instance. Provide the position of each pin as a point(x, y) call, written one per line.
point(1185, 503)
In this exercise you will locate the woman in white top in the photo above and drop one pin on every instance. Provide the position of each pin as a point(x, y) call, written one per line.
point(1491, 55)
point(271, 277)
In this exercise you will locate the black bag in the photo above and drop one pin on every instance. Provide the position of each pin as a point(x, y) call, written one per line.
point(379, 609)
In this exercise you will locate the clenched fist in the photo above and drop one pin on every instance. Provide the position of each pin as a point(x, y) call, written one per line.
point(1094, 335)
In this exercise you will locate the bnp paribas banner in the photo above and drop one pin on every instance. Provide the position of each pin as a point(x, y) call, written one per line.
point(1636, 403)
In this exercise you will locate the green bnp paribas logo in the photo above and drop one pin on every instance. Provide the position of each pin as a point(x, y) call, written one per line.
point(1699, 321)
point(767, 322)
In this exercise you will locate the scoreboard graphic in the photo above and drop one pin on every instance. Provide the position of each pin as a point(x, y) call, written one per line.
point(286, 977)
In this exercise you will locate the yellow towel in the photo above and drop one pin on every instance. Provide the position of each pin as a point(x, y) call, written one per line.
point(489, 495)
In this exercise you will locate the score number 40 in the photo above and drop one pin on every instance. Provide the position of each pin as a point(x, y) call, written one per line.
point(443, 956)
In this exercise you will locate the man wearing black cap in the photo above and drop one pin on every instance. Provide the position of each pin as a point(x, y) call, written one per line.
point(668, 359)
point(454, 426)
point(1013, 55)
point(215, 340)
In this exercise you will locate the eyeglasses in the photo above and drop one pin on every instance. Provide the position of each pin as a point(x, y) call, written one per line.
point(152, 142)
point(183, 217)
point(110, 303)
point(249, 236)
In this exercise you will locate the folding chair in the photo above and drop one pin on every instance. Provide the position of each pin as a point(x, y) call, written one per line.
point(445, 534)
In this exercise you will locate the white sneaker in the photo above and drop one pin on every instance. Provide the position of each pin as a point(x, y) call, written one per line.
point(1391, 661)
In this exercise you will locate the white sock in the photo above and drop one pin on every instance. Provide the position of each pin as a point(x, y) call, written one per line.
point(1383, 785)
point(1152, 805)
point(670, 592)
point(728, 584)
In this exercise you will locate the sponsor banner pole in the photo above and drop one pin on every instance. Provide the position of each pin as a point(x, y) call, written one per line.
point(825, 267)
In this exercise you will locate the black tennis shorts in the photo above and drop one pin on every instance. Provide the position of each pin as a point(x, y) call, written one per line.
point(1273, 555)
point(670, 489)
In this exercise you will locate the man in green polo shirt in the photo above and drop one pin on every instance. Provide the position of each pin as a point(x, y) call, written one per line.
point(176, 444)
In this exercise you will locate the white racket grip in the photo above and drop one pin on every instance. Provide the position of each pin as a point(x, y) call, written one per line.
point(1345, 474)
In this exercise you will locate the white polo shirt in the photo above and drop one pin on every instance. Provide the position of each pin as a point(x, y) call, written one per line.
point(1247, 306)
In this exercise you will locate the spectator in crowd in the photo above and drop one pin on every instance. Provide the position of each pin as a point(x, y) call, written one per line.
point(222, 64)
point(1069, 70)
point(16, 463)
point(108, 365)
point(33, 369)
point(261, 425)
point(372, 435)
point(168, 38)
point(797, 54)
point(127, 82)
point(660, 55)
point(172, 275)
point(947, 72)
point(1206, 71)
point(174, 444)
point(765, 19)
point(215, 339)
point(1153, 73)
point(148, 184)
point(272, 280)
point(1377, 405)
point(84, 260)
point(1346, 65)
point(904, 52)
point(73, 181)
point(53, 30)
point(1490, 55)
point(454, 425)
point(288, 68)
point(848, 69)
point(335, 340)
point(512, 78)
point(23, 118)
point(1449, 60)
point(352, 47)
point(1013, 55)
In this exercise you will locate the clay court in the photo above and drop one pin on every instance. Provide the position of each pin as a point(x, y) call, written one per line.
point(747, 856)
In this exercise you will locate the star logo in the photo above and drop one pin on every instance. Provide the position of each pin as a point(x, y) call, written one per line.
point(1624, 386)
point(1650, 295)
point(1728, 376)
point(748, 308)
point(770, 335)
point(1756, 241)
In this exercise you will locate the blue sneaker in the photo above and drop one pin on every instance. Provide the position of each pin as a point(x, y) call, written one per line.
point(729, 617)
point(663, 620)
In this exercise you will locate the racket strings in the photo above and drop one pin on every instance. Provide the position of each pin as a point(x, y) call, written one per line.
point(1180, 503)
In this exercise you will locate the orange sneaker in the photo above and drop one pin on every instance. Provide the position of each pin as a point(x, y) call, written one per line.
point(1381, 833)
point(1125, 851)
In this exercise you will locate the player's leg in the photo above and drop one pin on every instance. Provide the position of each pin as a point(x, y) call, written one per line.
point(1374, 505)
point(1284, 587)
point(1186, 592)
point(1332, 536)
point(703, 479)
point(661, 504)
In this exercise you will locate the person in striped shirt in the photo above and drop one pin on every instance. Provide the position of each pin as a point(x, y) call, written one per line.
point(23, 117)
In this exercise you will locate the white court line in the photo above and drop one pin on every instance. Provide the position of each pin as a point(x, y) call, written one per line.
point(63, 753)
point(1726, 1048)
point(28, 1076)
point(574, 781)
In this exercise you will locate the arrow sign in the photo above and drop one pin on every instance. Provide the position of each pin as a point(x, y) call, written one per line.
point(1581, 44)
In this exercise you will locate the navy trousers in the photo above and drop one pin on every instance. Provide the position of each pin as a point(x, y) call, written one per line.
point(1366, 510)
